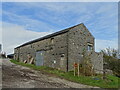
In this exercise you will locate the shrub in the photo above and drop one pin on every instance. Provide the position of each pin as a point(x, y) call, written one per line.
point(86, 67)
point(111, 61)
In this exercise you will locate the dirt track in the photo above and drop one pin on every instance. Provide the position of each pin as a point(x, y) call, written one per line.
point(16, 76)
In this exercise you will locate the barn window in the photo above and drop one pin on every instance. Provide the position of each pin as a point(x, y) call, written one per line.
point(61, 46)
point(52, 40)
point(54, 61)
point(62, 55)
point(90, 47)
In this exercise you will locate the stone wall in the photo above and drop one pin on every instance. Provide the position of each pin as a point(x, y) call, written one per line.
point(79, 38)
point(62, 50)
point(55, 51)
point(97, 61)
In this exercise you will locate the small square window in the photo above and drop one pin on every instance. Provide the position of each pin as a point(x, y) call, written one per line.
point(89, 48)
point(62, 55)
point(51, 40)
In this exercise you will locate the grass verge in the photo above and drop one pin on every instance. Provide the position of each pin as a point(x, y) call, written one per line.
point(110, 82)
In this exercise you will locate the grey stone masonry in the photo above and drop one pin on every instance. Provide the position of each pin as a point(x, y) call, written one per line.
point(61, 49)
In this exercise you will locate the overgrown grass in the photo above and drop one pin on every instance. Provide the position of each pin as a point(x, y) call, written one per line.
point(110, 82)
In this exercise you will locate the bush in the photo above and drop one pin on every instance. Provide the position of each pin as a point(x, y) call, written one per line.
point(111, 61)
point(113, 64)
point(86, 67)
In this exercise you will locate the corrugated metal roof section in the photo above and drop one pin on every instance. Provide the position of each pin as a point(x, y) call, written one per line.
point(50, 35)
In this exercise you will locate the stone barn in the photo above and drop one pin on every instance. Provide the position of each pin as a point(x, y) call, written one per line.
point(61, 49)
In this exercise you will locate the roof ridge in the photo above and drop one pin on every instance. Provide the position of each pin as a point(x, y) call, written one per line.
point(50, 35)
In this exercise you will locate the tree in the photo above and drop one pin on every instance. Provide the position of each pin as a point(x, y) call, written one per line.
point(110, 52)
point(112, 62)
point(86, 66)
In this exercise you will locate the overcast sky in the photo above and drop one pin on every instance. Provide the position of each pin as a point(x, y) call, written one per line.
point(25, 21)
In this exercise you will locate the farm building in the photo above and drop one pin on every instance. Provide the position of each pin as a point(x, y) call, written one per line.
point(10, 56)
point(61, 49)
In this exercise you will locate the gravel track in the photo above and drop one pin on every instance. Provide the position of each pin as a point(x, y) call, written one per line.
point(16, 76)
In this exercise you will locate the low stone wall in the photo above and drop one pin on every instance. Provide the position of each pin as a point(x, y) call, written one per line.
point(97, 61)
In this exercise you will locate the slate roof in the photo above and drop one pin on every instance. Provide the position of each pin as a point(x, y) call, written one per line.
point(49, 36)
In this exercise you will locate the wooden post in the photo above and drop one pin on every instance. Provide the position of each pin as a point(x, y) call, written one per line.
point(92, 71)
point(78, 70)
point(74, 68)
point(104, 74)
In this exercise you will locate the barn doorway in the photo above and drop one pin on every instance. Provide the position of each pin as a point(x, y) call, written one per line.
point(39, 58)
